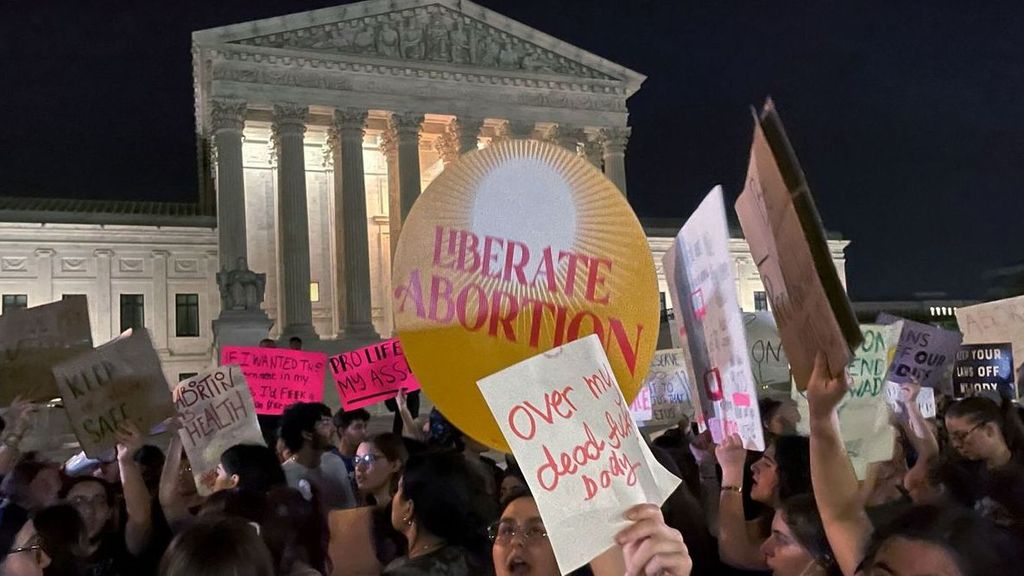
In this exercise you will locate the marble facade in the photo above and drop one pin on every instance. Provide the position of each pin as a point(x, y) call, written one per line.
point(344, 115)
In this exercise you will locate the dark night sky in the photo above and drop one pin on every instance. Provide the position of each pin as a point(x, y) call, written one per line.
point(907, 116)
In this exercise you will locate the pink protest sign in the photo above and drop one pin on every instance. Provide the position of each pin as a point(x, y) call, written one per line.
point(372, 374)
point(278, 377)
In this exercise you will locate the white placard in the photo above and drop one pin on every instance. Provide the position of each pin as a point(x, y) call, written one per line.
point(703, 285)
point(217, 412)
point(572, 433)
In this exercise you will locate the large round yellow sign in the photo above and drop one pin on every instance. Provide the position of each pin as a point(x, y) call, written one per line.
point(513, 250)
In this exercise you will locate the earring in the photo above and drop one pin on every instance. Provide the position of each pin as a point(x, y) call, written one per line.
point(407, 521)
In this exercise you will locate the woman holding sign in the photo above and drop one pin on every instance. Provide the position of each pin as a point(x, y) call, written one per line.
point(647, 546)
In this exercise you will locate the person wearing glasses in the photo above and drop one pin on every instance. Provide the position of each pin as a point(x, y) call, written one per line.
point(990, 440)
point(521, 545)
point(362, 539)
point(378, 466)
point(23, 554)
point(982, 431)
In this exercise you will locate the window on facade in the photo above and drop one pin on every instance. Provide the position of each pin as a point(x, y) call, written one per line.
point(661, 297)
point(132, 312)
point(182, 376)
point(66, 296)
point(314, 291)
point(186, 318)
point(13, 302)
point(760, 301)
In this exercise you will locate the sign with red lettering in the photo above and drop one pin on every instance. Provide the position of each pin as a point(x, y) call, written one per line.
point(641, 406)
point(668, 386)
point(216, 412)
point(700, 262)
point(118, 382)
point(578, 446)
point(372, 374)
point(278, 377)
point(513, 250)
point(787, 241)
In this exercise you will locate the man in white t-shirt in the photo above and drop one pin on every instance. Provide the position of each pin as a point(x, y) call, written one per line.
point(306, 429)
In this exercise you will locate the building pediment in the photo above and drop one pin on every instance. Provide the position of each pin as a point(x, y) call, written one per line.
point(454, 33)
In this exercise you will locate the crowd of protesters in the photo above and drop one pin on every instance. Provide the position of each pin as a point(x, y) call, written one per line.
point(325, 498)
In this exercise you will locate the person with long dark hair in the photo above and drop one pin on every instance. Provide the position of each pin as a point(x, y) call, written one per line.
point(218, 546)
point(782, 471)
point(292, 527)
point(62, 536)
point(981, 430)
point(433, 509)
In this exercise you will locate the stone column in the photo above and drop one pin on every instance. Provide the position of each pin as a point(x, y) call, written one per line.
point(332, 161)
point(161, 311)
point(289, 128)
point(44, 275)
point(613, 148)
point(104, 313)
point(228, 119)
point(389, 147)
point(468, 130)
point(348, 129)
point(407, 127)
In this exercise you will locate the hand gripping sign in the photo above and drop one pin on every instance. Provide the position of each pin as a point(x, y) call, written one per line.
point(513, 250)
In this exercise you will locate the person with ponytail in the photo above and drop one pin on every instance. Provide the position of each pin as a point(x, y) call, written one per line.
point(989, 438)
point(981, 430)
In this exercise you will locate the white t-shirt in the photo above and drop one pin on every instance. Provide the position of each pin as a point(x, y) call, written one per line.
point(330, 480)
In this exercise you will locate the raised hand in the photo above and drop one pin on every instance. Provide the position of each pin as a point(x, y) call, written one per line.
point(19, 416)
point(129, 441)
point(909, 392)
point(824, 392)
point(652, 548)
point(732, 457)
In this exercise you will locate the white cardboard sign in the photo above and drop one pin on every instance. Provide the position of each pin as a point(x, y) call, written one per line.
point(217, 412)
point(574, 437)
point(703, 285)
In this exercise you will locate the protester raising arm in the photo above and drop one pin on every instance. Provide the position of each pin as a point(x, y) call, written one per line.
point(409, 428)
point(835, 483)
point(174, 503)
point(137, 499)
point(18, 419)
point(921, 438)
point(737, 545)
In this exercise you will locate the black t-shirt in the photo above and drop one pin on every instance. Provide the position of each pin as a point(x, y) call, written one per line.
point(448, 561)
point(110, 559)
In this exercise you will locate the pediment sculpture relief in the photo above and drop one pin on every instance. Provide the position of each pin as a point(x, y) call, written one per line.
point(428, 33)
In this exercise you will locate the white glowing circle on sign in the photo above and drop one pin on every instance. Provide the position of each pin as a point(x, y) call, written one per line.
point(526, 200)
